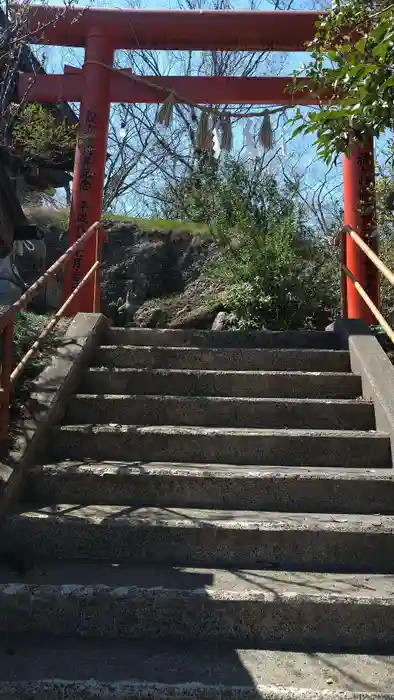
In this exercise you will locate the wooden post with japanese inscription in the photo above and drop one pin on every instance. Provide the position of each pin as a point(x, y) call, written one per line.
point(360, 214)
point(89, 170)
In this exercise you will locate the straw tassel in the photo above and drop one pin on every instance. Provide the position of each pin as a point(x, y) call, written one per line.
point(226, 133)
point(266, 135)
point(164, 115)
point(204, 135)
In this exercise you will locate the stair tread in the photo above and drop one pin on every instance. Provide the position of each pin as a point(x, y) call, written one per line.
point(219, 565)
point(196, 348)
point(200, 382)
point(211, 372)
point(132, 666)
point(231, 358)
point(243, 471)
point(222, 339)
point(209, 431)
point(198, 430)
point(259, 412)
point(109, 515)
point(219, 583)
point(230, 399)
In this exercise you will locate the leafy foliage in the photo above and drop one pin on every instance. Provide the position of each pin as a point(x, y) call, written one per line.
point(268, 257)
point(192, 198)
point(352, 58)
point(37, 135)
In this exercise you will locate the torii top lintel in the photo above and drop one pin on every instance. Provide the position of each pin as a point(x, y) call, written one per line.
point(175, 29)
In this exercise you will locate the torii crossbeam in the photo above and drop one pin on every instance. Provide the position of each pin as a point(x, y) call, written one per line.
point(102, 31)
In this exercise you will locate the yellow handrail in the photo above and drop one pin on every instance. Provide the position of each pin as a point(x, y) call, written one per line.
point(8, 376)
point(371, 255)
point(385, 271)
point(363, 294)
point(50, 326)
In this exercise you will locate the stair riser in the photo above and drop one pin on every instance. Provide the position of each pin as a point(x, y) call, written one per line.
point(201, 545)
point(171, 614)
point(254, 385)
point(146, 410)
point(234, 492)
point(224, 448)
point(223, 339)
point(242, 359)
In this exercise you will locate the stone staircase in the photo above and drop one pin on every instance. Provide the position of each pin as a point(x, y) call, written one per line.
point(212, 521)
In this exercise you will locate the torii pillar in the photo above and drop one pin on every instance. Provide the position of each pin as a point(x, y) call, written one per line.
point(360, 214)
point(89, 170)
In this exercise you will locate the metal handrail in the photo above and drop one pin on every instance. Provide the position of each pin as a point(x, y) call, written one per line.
point(346, 273)
point(8, 375)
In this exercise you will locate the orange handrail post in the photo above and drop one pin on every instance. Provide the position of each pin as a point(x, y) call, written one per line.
point(344, 299)
point(100, 240)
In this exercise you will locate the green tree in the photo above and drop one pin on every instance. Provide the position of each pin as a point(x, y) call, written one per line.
point(352, 58)
point(276, 272)
point(271, 261)
point(38, 135)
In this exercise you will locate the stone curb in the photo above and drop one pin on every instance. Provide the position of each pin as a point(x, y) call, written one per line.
point(47, 403)
point(368, 359)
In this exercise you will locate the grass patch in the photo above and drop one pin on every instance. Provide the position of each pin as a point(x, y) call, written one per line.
point(59, 218)
point(158, 224)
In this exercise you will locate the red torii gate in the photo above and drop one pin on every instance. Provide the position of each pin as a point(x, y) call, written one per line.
point(102, 31)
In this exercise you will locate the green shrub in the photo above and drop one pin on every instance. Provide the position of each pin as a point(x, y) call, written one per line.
point(277, 273)
point(27, 328)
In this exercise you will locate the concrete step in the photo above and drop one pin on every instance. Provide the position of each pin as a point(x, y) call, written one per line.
point(154, 357)
point(222, 339)
point(241, 607)
point(328, 448)
point(288, 489)
point(329, 414)
point(55, 668)
point(193, 537)
point(335, 385)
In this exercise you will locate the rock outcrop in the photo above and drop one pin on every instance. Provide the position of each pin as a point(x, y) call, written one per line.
point(158, 271)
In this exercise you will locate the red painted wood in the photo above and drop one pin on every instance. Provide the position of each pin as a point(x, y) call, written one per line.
point(202, 90)
point(89, 170)
point(359, 187)
point(175, 29)
point(102, 31)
